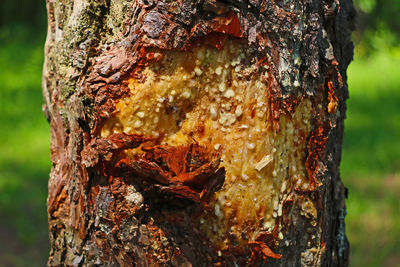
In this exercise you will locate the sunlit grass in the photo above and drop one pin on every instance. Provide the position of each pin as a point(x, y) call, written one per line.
point(371, 160)
point(24, 152)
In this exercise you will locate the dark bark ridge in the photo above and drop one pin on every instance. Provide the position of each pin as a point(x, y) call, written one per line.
point(98, 217)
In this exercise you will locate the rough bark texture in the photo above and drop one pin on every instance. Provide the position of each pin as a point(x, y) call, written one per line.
point(127, 198)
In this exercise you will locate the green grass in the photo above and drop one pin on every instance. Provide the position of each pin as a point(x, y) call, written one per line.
point(371, 160)
point(24, 151)
point(370, 165)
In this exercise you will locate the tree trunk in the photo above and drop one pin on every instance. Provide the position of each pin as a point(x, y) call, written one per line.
point(197, 132)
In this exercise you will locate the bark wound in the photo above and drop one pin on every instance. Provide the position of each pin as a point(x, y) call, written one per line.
point(206, 109)
point(203, 139)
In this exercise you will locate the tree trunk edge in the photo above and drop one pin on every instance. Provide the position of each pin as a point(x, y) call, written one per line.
point(80, 36)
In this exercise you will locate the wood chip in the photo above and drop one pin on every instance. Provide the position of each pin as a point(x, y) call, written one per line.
point(263, 162)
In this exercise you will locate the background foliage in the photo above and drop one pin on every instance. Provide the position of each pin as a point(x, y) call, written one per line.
point(371, 151)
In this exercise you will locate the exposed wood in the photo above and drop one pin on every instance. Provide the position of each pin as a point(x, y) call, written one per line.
point(197, 133)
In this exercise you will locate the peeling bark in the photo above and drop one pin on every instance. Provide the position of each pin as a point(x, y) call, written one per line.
point(126, 191)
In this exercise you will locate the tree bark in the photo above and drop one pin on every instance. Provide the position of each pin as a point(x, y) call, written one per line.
point(197, 132)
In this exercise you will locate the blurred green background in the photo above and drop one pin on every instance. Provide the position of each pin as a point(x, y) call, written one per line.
point(371, 151)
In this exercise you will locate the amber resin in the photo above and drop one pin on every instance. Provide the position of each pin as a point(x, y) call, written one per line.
point(219, 100)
